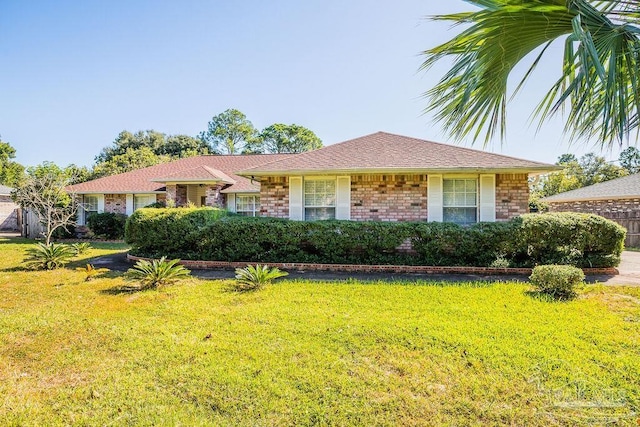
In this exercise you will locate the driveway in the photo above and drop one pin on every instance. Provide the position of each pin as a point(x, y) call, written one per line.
point(629, 271)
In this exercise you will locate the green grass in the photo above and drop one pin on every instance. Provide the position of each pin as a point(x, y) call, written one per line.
point(309, 353)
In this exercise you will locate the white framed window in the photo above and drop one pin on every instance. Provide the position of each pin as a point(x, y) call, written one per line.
point(247, 204)
point(319, 199)
point(142, 200)
point(90, 206)
point(460, 200)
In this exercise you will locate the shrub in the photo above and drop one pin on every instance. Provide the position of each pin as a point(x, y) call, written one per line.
point(107, 225)
point(576, 239)
point(157, 272)
point(557, 281)
point(158, 232)
point(48, 257)
point(255, 277)
point(80, 248)
point(89, 270)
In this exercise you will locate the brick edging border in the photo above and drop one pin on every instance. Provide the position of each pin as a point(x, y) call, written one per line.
point(421, 269)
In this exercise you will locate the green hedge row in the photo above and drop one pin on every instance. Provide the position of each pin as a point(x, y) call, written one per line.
point(582, 240)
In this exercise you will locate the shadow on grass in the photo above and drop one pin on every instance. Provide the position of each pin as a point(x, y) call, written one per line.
point(543, 297)
point(124, 289)
point(13, 240)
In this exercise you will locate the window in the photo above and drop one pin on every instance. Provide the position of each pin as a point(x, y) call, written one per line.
point(319, 199)
point(142, 200)
point(460, 200)
point(248, 205)
point(90, 207)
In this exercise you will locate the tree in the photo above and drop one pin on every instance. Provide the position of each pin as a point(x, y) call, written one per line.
point(281, 138)
point(598, 81)
point(128, 141)
point(44, 192)
point(11, 172)
point(588, 170)
point(229, 132)
point(131, 159)
point(179, 146)
point(630, 159)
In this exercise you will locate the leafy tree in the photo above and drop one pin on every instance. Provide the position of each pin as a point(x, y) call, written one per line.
point(598, 80)
point(229, 132)
point(281, 138)
point(589, 169)
point(127, 141)
point(11, 172)
point(78, 174)
point(131, 159)
point(44, 192)
point(178, 146)
point(630, 159)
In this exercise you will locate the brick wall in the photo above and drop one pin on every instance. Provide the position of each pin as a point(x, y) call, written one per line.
point(274, 197)
point(214, 197)
point(512, 195)
point(599, 207)
point(389, 197)
point(115, 203)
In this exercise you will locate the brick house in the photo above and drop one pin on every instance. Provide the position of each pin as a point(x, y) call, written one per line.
point(9, 211)
point(381, 177)
point(618, 200)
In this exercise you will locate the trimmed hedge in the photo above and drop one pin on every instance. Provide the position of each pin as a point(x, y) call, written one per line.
point(557, 281)
point(107, 225)
point(582, 240)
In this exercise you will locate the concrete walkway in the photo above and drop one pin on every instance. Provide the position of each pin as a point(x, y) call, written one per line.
point(629, 273)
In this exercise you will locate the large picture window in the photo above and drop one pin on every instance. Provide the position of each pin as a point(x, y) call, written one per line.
point(248, 205)
point(460, 200)
point(319, 199)
point(142, 200)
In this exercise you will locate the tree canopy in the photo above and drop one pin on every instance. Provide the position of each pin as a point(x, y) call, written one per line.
point(230, 132)
point(597, 81)
point(281, 138)
point(11, 172)
point(630, 159)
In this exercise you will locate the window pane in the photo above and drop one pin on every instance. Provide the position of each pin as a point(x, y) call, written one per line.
point(471, 185)
point(460, 215)
point(316, 214)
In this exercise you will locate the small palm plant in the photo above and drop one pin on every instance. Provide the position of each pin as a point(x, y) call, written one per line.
point(254, 277)
point(48, 257)
point(81, 248)
point(90, 271)
point(152, 274)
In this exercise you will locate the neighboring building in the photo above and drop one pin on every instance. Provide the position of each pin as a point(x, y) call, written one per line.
point(9, 211)
point(618, 200)
point(380, 177)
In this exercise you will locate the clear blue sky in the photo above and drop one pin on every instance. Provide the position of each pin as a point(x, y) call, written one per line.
point(74, 74)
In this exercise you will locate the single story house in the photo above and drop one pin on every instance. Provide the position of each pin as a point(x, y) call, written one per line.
point(381, 177)
point(9, 211)
point(618, 200)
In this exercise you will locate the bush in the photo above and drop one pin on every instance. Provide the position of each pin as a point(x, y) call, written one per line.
point(576, 239)
point(151, 274)
point(169, 231)
point(557, 281)
point(253, 278)
point(48, 257)
point(107, 225)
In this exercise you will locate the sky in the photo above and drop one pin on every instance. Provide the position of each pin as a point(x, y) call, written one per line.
point(74, 74)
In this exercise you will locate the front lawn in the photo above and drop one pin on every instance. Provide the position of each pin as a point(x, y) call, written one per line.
point(310, 353)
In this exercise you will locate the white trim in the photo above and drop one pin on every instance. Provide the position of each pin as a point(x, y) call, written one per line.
point(100, 203)
point(231, 202)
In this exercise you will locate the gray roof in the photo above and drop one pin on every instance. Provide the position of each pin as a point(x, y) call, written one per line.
point(4, 190)
point(620, 188)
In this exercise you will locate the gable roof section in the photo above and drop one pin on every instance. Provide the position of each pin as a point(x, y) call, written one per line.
point(145, 180)
point(199, 174)
point(383, 152)
point(627, 187)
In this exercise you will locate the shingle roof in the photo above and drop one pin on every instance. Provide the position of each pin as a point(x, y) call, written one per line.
point(201, 173)
point(619, 188)
point(385, 152)
point(4, 190)
point(142, 180)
